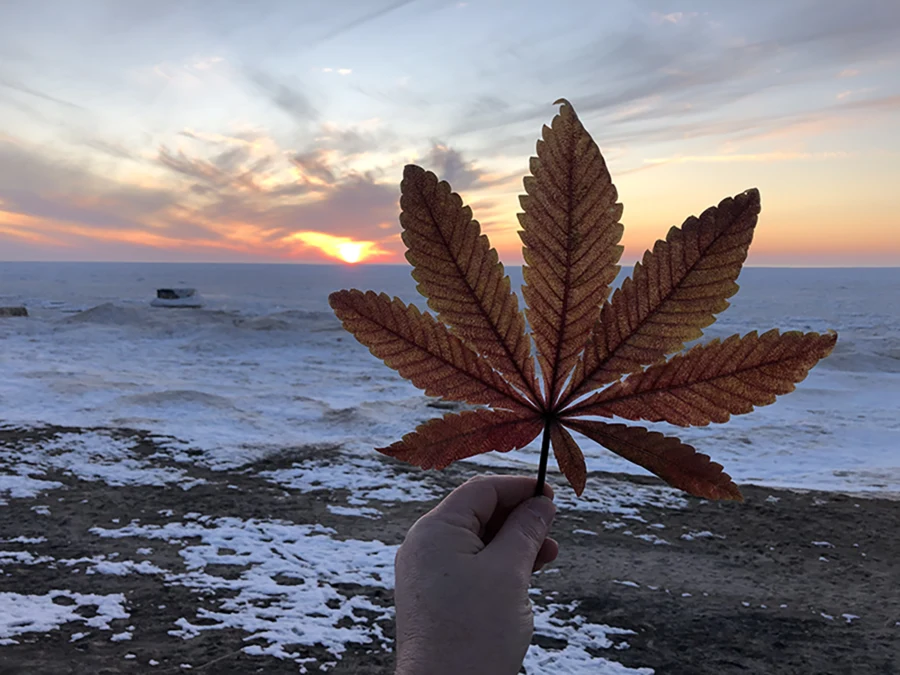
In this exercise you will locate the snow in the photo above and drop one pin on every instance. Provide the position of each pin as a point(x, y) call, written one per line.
point(24, 540)
point(99, 564)
point(703, 534)
point(354, 511)
point(21, 614)
point(367, 479)
point(19, 486)
point(88, 455)
point(580, 636)
point(284, 594)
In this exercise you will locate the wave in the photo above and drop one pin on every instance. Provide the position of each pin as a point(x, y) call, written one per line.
point(109, 314)
point(177, 398)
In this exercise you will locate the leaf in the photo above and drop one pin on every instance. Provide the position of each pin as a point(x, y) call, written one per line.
point(440, 442)
point(677, 463)
point(422, 350)
point(571, 231)
point(477, 350)
point(675, 292)
point(711, 382)
point(568, 457)
point(462, 277)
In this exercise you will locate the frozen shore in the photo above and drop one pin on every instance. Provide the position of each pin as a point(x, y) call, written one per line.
point(120, 554)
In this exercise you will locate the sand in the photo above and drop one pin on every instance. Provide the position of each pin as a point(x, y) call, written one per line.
point(787, 582)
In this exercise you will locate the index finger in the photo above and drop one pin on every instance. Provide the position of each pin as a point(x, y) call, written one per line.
point(480, 499)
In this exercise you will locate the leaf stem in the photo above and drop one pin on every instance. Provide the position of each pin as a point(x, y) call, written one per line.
point(545, 456)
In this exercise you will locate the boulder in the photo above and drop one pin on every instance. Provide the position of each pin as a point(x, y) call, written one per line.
point(13, 311)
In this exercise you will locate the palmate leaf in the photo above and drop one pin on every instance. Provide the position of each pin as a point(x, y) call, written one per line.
point(477, 351)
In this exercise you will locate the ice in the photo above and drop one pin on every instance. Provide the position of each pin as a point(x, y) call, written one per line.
point(21, 614)
point(267, 367)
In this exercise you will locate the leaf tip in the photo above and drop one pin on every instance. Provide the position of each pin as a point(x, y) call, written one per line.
point(412, 170)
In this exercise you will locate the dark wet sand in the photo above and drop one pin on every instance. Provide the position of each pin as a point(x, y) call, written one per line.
point(759, 597)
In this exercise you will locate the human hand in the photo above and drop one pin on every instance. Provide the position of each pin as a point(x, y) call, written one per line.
point(462, 577)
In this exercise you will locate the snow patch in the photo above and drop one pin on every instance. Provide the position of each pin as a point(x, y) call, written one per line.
point(283, 593)
point(559, 621)
point(21, 614)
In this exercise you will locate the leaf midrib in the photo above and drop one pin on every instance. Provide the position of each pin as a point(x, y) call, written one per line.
point(703, 380)
point(482, 310)
point(675, 286)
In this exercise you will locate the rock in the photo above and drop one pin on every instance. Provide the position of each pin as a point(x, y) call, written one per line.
point(13, 311)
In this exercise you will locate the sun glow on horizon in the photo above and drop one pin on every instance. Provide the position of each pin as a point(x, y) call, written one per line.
point(344, 249)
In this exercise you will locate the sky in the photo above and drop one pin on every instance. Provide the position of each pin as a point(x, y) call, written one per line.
point(234, 131)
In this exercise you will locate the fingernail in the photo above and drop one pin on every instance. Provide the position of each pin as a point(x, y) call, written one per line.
point(543, 508)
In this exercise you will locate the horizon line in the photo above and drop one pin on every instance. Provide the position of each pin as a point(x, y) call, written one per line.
point(374, 264)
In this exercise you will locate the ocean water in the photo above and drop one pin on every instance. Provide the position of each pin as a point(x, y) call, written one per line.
point(265, 366)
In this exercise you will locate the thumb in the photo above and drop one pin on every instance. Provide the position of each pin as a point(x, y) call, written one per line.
point(523, 533)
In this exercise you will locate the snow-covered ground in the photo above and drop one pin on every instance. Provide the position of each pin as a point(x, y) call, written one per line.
point(280, 582)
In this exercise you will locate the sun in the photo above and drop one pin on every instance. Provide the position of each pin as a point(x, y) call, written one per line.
point(351, 251)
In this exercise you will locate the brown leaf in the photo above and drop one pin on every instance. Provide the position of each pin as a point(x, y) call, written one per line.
point(422, 350)
point(480, 353)
point(569, 457)
point(677, 463)
point(571, 232)
point(711, 382)
point(673, 294)
point(462, 277)
point(440, 442)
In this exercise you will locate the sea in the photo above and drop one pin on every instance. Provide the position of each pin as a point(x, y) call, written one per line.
point(265, 367)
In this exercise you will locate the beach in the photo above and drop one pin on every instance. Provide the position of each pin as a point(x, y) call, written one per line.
point(196, 490)
point(235, 571)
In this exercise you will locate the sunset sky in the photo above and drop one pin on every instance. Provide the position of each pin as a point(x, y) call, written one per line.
point(233, 131)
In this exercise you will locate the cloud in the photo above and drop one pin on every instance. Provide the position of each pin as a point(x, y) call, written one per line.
point(24, 89)
point(362, 20)
point(289, 98)
point(314, 167)
point(220, 198)
point(450, 166)
point(688, 64)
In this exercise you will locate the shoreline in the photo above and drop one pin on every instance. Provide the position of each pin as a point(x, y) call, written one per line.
point(790, 581)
